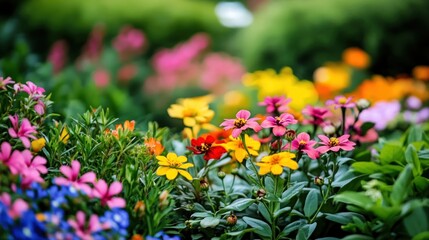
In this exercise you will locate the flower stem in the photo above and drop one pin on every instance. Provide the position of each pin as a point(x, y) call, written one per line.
point(343, 116)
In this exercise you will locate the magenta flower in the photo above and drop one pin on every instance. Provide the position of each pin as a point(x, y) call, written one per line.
point(129, 42)
point(341, 101)
point(84, 229)
point(33, 90)
point(16, 208)
point(23, 132)
point(279, 124)
point(72, 177)
point(105, 193)
point(241, 123)
point(4, 82)
point(335, 144)
point(318, 115)
point(303, 143)
point(276, 104)
point(30, 175)
point(14, 160)
point(39, 107)
point(38, 162)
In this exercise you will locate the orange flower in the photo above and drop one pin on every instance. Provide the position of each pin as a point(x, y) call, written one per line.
point(137, 237)
point(154, 146)
point(128, 126)
point(356, 57)
point(421, 73)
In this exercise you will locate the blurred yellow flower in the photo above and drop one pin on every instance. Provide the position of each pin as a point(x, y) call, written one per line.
point(269, 83)
point(38, 144)
point(64, 136)
point(236, 149)
point(275, 163)
point(172, 165)
point(331, 78)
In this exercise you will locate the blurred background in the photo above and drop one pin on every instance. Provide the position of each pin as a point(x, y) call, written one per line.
point(136, 57)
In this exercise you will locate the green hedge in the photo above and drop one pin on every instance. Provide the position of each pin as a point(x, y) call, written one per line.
point(304, 34)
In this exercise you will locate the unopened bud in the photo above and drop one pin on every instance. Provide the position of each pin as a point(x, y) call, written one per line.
point(204, 185)
point(260, 193)
point(290, 135)
point(140, 208)
point(221, 175)
point(319, 181)
point(329, 129)
point(362, 104)
point(231, 220)
point(234, 171)
point(163, 196)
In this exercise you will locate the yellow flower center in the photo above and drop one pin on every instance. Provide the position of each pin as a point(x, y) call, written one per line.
point(275, 159)
point(239, 122)
point(342, 100)
point(41, 217)
point(333, 141)
point(174, 163)
point(189, 112)
point(302, 142)
point(204, 147)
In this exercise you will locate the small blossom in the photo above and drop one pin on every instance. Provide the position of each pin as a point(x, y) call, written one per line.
point(341, 101)
point(362, 104)
point(38, 144)
point(207, 147)
point(14, 160)
point(36, 162)
point(241, 123)
point(154, 146)
point(4, 82)
point(317, 114)
point(303, 143)
point(72, 177)
point(276, 104)
point(172, 165)
point(238, 151)
point(16, 208)
point(335, 144)
point(33, 90)
point(23, 131)
point(279, 124)
point(84, 229)
point(275, 163)
point(106, 194)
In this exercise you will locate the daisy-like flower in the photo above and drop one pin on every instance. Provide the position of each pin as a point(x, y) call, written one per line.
point(317, 114)
point(276, 104)
point(241, 123)
point(207, 147)
point(172, 165)
point(4, 82)
point(335, 144)
point(303, 143)
point(238, 152)
point(279, 124)
point(23, 131)
point(275, 163)
point(341, 101)
point(193, 111)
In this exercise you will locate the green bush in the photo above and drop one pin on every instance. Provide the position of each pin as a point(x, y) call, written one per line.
point(305, 34)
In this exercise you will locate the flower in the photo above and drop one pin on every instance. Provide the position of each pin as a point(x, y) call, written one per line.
point(279, 124)
point(105, 193)
point(237, 150)
point(241, 123)
point(275, 163)
point(23, 132)
point(275, 104)
point(84, 229)
point(335, 144)
point(129, 42)
point(16, 208)
point(38, 144)
point(64, 136)
point(14, 160)
point(318, 115)
point(72, 177)
point(37, 162)
point(341, 101)
point(154, 146)
point(205, 146)
point(4, 82)
point(356, 57)
point(303, 143)
point(381, 114)
point(172, 165)
point(32, 89)
point(193, 111)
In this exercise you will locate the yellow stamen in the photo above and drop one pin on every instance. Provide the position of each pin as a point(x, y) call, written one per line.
point(239, 122)
point(333, 141)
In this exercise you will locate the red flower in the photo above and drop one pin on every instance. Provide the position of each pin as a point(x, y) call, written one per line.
point(206, 147)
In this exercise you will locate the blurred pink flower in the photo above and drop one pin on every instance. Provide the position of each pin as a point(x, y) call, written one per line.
point(279, 124)
point(127, 72)
point(276, 104)
point(28, 176)
point(58, 55)
point(84, 229)
point(23, 132)
point(381, 114)
point(93, 47)
point(106, 194)
point(335, 144)
point(39, 107)
point(241, 123)
point(72, 177)
point(303, 143)
point(317, 114)
point(341, 101)
point(16, 208)
point(101, 78)
point(4, 82)
point(129, 42)
point(32, 89)
point(36, 162)
point(371, 134)
point(14, 160)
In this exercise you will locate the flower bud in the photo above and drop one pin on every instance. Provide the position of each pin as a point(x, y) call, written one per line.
point(362, 104)
point(38, 144)
point(221, 175)
point(319, 181)
point(204, 185)
point(290, 135)
point(234, 171)
point(140, 208)
point(163, 196)
point(329, 129)
point(231, 220)
point(260, 193)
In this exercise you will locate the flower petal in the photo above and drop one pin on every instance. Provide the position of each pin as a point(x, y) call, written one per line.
point(276, 169)
point(171, 173)
point(185, 174)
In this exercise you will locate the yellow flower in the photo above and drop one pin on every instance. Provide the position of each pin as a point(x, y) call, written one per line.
point(275, 163)
point(64, 137)
point(38, 144)
point(172, 165)
point(193, 111)
point(237, 150)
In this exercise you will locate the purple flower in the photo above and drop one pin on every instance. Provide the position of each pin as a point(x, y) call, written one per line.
point(4, 82)
point(22, 132)
point(241, 123)
point(276, 104)
point(279, 124)
point(335, 144)
point(381, 114)
point(414, 102)
point(39, 107)
point(341, 101)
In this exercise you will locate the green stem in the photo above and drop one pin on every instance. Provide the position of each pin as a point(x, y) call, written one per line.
point(224, 189)
point(343, 116)
point(272, 209)
point(211, 202)
point(243, 140)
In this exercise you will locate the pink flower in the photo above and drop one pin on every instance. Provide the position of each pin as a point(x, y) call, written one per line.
point(58, 55)
point(72, 177)
point(30, 175)
point(22, 132)
point(335, 144)
point(4, 82)
point(16, 208)
point(276, 104)
point(101, 78)
point(84, 229)
point(279, 124)
point(105, 193)
point(33, 90)
point(318, 115)
point(341, 101)
point(37, 162)
point(39, 107)
point(241, 123)
point(14, 160)
point(129, 42)
point(303, 143)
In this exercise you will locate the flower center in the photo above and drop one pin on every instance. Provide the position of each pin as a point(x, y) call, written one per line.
point(278, 119)
point(204, 147)
point(275, 159)
point(189, 112)
point(302, 142)
point(342, 100)
point(333, 142)
point(174, 163)
point(239, 122)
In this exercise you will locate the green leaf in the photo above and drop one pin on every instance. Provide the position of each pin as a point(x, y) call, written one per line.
point(209, 222)
point(354, 198)
point(415, 134)
point(391, 152)
point(311, 203)
point(202, 214)
point(422, 236)
point(413, 159)
point(260, 227)
point(421, 183)
point(293, 226)
point(402, 186)
point(269, 184)
point(358, 237)
point(239, 233)
point(292, 191)
point(416, 222)
point(365, 127)
point(371, 167)
point(240, 204)
point(264, 212)
point(305, 232)
point(342, 217)
point(281, 211)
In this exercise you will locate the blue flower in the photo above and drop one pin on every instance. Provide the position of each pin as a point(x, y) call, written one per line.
point(162, 236)
point(117, 219)
point(5, 219)
point(28, 227)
